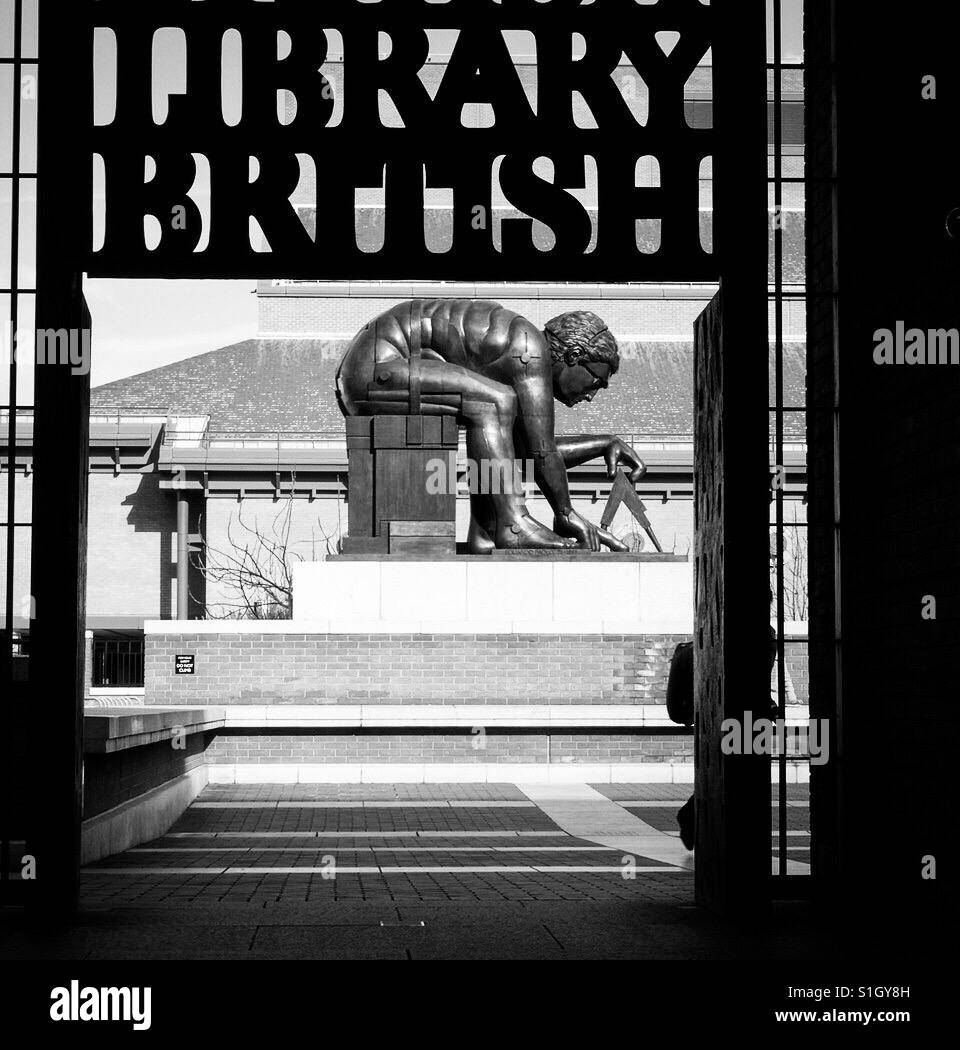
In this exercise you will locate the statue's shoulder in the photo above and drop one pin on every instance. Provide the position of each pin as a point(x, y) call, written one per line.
point(524, 331)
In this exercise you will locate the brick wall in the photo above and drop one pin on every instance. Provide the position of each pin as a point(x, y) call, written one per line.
point(111, 779)
point(131, 548)
point(697, 92)
point(342, 317)
point(798, 670)
point(311, 747)
point(437, 669)
point(370, 226)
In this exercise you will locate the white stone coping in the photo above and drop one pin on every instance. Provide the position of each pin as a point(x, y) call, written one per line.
point(179, 628)
point(479, 772)
point(121, 729)
point(471, 716)
point(796, 631)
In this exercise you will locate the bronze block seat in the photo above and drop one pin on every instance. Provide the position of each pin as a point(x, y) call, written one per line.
point(390, 508)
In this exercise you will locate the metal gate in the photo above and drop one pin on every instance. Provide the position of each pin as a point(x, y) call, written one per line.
point(740, 261)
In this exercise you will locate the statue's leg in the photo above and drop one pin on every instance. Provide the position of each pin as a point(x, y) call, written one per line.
point(483, 526)
point(487, 410)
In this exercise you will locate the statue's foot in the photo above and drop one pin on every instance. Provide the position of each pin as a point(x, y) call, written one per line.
point(526, 533)
point(478, 539)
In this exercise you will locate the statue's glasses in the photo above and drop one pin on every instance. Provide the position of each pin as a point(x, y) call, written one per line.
point(602, 378)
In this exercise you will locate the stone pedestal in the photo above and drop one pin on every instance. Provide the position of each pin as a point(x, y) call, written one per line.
point(572, 593)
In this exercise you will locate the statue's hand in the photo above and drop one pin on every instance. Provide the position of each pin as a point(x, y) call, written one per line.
point(588, 536)
point(619, 452)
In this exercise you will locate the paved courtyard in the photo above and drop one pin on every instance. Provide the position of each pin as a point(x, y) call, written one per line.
point(400, 871)
point(269, 844)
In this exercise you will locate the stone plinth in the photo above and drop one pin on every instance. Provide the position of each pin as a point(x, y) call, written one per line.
point(576, 593)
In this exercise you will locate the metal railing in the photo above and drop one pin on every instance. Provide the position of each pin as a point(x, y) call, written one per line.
point(117, 663)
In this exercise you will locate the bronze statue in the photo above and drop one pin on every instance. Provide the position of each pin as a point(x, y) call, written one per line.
point(497, 374)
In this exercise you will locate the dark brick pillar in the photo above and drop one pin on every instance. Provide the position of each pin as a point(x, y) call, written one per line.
point(731, 632)
point(880, 255)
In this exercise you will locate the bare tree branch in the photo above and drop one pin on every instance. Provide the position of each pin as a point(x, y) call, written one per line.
point(253, 572)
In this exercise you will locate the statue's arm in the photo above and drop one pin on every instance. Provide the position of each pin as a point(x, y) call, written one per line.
point(581, 448)
point(538, 442)
point(536, 423)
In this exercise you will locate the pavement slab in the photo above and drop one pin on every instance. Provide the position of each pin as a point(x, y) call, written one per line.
point(581, 810)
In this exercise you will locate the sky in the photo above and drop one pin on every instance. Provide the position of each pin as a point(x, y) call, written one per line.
point(143, 324)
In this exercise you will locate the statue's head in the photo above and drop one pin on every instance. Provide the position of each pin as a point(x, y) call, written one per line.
point(585, 356)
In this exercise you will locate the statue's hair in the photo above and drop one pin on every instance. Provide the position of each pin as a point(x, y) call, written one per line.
point(582, 336)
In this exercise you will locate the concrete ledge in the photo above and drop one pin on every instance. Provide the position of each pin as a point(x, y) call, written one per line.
point(140, 819)
point(796, 632)
point(106, 730)
point(401, 716)
point(450, 773)
point(470, 716)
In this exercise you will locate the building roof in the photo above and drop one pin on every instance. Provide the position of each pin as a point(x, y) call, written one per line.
point(287, 385)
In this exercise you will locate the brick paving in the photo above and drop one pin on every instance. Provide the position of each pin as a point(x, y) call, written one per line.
point(275, 844)
point(532, 886)
point(651, 792)
point(487, 880)
point(680, 792)
point(364, 792)
point(347, 820)
point(267, 844)
point(395, 842)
